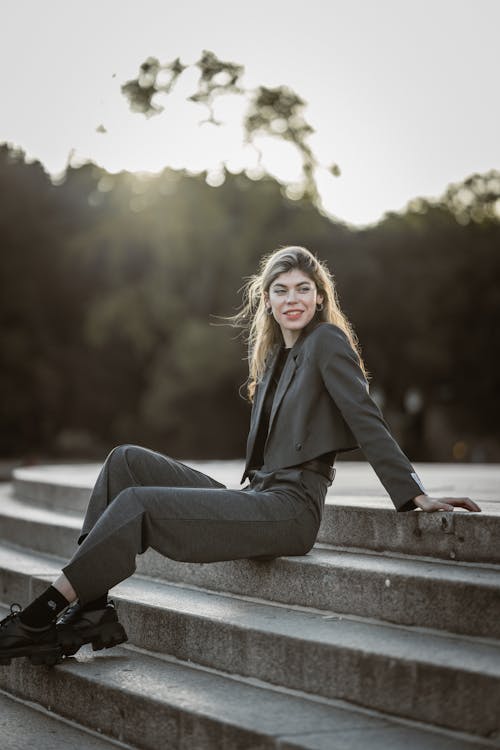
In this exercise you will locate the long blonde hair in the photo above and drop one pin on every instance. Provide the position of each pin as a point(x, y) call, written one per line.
point(264, 332)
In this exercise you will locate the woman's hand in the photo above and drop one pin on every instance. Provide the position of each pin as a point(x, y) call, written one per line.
point(431, 504)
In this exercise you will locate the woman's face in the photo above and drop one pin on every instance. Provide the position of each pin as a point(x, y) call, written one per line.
point(293, 298)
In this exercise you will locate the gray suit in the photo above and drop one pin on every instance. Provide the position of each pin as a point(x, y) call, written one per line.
point(323, 404)
point(144, 499)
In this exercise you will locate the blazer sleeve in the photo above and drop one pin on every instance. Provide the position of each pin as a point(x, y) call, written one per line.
point(345, 381)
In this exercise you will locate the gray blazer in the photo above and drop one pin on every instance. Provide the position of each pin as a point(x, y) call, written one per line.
point(323, 404)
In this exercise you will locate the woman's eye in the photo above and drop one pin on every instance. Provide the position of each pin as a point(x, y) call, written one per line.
point(302, 290)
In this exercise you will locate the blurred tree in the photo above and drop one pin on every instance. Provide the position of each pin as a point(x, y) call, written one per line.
point(31, 372)
point(476, 199)
point(275, 112)
point(440, 310)
point(165, 271)
point(110, 284)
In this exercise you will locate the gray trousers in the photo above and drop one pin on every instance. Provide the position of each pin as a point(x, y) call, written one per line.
point(144, 499)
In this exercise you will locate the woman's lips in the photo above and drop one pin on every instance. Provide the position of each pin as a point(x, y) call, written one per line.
point(293, 314)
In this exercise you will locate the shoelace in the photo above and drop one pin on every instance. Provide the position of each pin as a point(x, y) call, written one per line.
point(13, 613)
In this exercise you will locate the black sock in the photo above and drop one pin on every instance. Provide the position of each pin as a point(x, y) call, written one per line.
point(44, 610)
point(99, 603)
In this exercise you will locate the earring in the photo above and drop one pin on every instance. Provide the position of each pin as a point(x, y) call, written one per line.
point(319, 307)
point(269, 310)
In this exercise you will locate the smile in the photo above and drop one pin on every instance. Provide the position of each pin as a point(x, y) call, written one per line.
point(293, 314)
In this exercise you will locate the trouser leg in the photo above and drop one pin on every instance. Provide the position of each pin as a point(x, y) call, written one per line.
point(134, 466)
point(190, 524)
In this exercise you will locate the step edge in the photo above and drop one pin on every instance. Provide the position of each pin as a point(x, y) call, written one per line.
point(415, 632)
point(144, 657)
point(43, 711)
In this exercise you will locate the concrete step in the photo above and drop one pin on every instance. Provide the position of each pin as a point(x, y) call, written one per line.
point(24, 725)
point(458, 535)
point(154, 702)
point(396, 670)
point(65, 489)
point(352, 518)
point(462, 598)
point(354, 480)
point(37, 527)
point(454, 536)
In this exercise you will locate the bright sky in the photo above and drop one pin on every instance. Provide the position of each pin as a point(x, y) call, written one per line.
point(402, 95)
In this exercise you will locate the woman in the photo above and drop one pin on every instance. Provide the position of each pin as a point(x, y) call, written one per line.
point(310, 400)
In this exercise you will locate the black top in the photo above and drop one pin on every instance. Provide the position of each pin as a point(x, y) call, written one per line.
point(260, 440)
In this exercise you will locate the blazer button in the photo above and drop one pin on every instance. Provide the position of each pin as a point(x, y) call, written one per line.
point(298, 446)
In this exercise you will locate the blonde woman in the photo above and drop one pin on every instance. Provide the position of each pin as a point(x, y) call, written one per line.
point(310, 400)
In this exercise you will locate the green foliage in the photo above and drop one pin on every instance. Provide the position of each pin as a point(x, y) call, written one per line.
point(477, 199)
point(152, 79)
point(112, 284)
point(276, 112)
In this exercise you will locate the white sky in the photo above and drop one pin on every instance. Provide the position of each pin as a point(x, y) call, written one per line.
point(402, 95)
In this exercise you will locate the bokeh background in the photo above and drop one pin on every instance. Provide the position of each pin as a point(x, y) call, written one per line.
point(151, 154)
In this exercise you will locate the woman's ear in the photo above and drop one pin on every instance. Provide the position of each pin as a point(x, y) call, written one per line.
point(265, 296)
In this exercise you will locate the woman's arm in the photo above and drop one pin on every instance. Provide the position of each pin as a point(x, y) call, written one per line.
point(347, 385)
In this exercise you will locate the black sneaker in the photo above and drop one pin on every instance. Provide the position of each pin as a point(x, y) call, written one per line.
point(40, 645)
point(100, 627)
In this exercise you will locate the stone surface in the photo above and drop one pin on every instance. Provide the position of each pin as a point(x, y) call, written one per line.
point(43, 529)
point(299, 641)
point(326, 654)
point(355, 481)
point(23, 726)
point(437, 594)
point(458, 535)
point(395, 739)
point(154, 703)
point(358, 513)
point(459, 598)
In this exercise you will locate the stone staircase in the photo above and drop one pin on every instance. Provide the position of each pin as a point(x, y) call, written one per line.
point(386, 635)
